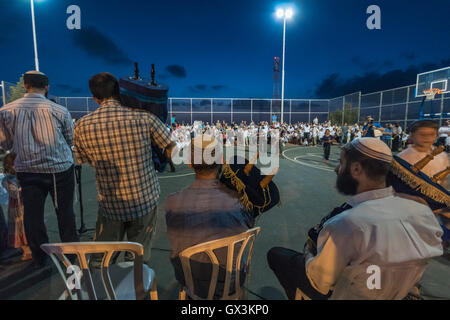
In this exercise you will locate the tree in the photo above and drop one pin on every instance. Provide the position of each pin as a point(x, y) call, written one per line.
point(350, 115)
point(17, 91)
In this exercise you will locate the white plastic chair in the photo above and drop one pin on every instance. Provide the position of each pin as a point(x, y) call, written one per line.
point(246, 238)
point(122, 281)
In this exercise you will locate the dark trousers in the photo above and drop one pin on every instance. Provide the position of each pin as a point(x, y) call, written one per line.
point(35, 189)
point(327, 150)
point(396, 144)
point(3, 232)
point(290, 269)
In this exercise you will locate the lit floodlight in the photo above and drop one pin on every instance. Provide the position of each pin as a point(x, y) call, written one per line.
point(289, 13)
point(280, 13)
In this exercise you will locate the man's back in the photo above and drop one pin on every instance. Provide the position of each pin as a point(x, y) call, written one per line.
point(116, 141)
point(205, 211)
point(40, 132)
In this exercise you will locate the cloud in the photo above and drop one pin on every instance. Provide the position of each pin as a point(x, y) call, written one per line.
point(176, 71)
point(199, 88)
point(408, 55)
point(366, 65)
point(206, 88)
point(388, 63)
point(67, 89)
point(218, 87)
point(335, 86)
point(99, 45)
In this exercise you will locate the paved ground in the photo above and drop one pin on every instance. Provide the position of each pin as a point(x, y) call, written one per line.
point(307, 187)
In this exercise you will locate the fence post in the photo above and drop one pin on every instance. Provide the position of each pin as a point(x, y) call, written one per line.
point(171, 111)
point(3, 93)
point(407, 108)
point(212, 112)
point(231, 110)
point(381, 104)
point(359, 107)
point(309, 113)
point(251, 110)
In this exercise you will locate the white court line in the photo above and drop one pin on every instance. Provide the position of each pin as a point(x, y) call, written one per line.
point(178, 176)
point(303, 163)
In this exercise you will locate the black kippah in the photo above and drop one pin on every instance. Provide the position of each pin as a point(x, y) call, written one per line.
point(35, 79)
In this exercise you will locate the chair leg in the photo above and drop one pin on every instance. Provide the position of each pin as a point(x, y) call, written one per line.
point(154, 291)
point(182, 295)
point(299, 295)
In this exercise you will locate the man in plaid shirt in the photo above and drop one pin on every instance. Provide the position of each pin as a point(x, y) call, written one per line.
point(116, 141)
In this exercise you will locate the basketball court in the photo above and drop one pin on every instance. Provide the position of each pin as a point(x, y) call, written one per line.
point(306, 184)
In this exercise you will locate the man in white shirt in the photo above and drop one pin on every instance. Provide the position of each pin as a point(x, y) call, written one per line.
point(377, 248)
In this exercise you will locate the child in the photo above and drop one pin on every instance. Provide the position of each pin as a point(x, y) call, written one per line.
point(17, 238)
point(327, 142)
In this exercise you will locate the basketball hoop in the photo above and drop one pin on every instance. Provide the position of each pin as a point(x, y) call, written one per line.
point(431, 93)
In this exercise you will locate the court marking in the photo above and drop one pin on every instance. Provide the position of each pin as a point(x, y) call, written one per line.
point(178, 176)
point(303, 163)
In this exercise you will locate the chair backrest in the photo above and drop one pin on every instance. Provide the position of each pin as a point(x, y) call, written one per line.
point(58, 253)
point(247, 239)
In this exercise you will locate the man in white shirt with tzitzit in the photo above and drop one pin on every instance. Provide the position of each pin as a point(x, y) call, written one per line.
point(376, 249)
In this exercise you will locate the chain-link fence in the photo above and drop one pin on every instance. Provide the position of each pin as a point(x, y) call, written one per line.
point(6, 92)
point(390, 106)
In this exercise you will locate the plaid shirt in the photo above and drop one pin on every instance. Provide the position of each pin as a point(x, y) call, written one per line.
point(116, 141)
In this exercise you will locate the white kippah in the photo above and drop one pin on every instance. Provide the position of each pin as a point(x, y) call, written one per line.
point(373, 148)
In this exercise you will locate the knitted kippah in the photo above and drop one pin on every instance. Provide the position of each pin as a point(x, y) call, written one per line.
point(373, 148)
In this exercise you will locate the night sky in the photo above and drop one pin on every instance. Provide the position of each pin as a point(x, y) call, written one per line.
point(225, 48)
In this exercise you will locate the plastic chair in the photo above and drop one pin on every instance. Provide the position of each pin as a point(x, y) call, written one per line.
point(122, 281)
point(246, 238)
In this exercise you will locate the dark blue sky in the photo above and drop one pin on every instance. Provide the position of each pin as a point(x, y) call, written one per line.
point(220, 48)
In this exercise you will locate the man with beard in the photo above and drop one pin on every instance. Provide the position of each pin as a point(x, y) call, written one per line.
point(375, 230)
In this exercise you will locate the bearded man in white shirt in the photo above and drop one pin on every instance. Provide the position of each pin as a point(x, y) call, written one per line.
point(376, 248)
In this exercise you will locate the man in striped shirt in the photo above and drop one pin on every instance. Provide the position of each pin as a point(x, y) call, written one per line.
point(40, 133)
point(116, 142)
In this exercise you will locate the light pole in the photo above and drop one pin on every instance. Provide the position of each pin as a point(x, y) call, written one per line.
point(3, 92)
point(36, 59)
point(285, 14)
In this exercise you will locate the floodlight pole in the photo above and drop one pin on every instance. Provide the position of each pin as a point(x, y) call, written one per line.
point(36, 59)
point(282, 80)
point(3, 92)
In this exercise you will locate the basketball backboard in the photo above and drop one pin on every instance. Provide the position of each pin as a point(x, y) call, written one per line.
point(436, 79)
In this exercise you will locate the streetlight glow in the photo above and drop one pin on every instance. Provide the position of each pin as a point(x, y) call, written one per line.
point(280, 13)
point(289, 13)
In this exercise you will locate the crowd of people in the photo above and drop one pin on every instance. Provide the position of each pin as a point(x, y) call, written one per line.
point(303, 134)
point(376, 226)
